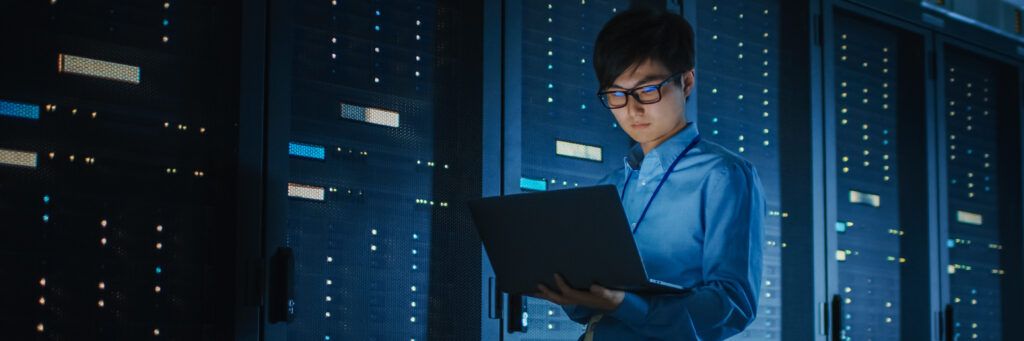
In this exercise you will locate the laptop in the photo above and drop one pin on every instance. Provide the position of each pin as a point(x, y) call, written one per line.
point(581, 234)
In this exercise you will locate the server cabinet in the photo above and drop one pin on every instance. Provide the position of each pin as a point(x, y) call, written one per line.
point(372, 149)
point(980, 191)
point(880, 214)
point(118, 136)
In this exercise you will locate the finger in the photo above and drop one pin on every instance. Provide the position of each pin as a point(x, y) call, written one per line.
point(550, 295)
point(583, 297)
point(600, 291)
point(564, 287)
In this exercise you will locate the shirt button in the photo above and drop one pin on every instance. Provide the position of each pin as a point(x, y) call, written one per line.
point(632, 225)
point(643, 183)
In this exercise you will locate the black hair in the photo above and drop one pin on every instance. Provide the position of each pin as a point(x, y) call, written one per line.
point(636, 35)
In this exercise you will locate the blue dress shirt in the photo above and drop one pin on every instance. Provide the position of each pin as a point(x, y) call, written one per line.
point(703, 231)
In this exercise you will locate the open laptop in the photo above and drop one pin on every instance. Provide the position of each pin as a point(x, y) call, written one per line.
point(580, 233)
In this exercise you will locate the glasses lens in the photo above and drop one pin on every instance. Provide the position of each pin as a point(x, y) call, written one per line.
point(614, 99)
point(648, 94)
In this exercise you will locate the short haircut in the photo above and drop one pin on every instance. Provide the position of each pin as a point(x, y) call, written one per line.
point(636, 35)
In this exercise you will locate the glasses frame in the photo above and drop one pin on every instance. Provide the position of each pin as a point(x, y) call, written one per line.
point(633, 93)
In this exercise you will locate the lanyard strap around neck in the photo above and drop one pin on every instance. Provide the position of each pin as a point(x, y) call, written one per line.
point(662, 182)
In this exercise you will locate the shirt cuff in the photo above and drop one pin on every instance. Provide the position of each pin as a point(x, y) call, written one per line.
point(577, 313)
point(633, 309)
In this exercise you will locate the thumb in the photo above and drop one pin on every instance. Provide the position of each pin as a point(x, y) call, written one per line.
point(598, 290)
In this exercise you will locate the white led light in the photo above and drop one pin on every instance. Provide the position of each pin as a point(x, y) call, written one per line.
point(873, 200)
point(370, 115)
point(99, 68)
point(969, 218)
point(577, 150)
point(18, 158)
point(305, 191)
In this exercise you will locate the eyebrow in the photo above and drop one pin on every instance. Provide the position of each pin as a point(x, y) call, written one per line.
point(642, 81)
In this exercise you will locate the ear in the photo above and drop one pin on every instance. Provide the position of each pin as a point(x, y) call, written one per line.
point(688, 80)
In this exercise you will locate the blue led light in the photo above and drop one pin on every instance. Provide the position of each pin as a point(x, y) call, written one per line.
point(46, 199)
point(46, 218)
point(19, 110)
point(159, 270)
point(376, 27)
point(533, 184)
point(306, 150)
point(377, 12)
point(840, 226)
point(583, 106)
point(551, 86)
point(550, 66)
point(950, 243)
point(166, 22)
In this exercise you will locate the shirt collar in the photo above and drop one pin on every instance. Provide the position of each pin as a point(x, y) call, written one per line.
point(666, 152)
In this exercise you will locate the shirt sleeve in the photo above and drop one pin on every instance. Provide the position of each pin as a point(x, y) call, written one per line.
point(577, 313)
point(726, 301)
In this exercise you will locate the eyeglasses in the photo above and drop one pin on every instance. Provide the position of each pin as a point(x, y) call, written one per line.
point(647, 94)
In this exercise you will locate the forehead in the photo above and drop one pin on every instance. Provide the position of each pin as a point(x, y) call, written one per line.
point(641, 71)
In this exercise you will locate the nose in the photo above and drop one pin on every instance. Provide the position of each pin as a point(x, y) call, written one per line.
point(634, 108)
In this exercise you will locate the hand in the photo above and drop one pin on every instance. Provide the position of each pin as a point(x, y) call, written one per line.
point(598, 297)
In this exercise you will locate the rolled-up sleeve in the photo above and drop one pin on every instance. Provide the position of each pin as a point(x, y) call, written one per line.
point(726, 301)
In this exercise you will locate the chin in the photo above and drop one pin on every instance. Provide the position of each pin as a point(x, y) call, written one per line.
point(641, 139)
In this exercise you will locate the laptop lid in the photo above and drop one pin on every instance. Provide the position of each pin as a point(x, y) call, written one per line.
point(580, 233)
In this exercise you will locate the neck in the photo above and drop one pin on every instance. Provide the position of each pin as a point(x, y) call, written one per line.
point(650, 145)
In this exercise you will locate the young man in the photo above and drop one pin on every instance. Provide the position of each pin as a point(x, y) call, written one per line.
point(695, 208)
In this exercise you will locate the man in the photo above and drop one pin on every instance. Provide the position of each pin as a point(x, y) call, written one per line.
point(695, 208)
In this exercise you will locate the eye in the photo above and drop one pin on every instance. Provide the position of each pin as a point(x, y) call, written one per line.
point(617, 94)
point(648, 89)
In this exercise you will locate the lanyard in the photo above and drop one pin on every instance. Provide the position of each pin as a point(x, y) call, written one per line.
point(663, 178)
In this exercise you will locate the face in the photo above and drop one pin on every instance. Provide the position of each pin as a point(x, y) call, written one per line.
point(651, 124)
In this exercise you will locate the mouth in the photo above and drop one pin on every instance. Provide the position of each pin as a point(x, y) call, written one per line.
point(640, 125)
